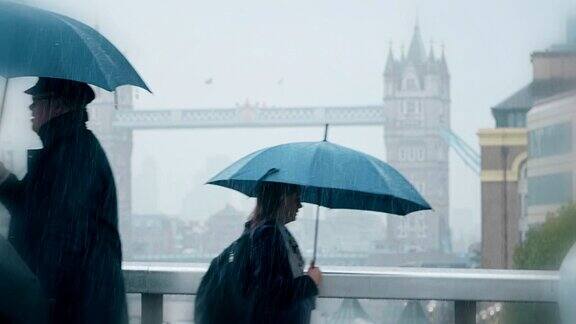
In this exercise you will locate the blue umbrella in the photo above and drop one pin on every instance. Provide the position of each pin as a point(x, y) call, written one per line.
point(40, 43)
point(329, 175)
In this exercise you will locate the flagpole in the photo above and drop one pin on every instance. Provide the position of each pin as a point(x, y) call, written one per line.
point(317, 222)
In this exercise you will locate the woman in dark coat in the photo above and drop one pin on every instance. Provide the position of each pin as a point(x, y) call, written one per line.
point(280, 290)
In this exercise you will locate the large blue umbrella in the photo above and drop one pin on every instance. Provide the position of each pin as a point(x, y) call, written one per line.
point(40, 43)
point(329, 175)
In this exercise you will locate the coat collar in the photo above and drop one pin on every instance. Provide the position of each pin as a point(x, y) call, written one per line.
point(63, 126)
point(248, 224)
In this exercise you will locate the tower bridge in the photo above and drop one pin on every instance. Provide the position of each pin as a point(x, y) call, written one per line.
point(415, 114)
point(367, 115)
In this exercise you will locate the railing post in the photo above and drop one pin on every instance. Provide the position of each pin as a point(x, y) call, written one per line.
point(152, 309)
point(464, 312)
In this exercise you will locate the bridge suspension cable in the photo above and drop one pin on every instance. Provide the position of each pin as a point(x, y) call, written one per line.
point(470, 157)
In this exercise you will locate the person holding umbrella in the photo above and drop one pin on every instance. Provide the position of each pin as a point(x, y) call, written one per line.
point(260, 277)
point(280, 178)
point(64, 212)
point(280, 291)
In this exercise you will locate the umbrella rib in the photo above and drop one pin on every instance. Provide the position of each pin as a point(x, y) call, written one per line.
point(79, 33)
point(98, 53)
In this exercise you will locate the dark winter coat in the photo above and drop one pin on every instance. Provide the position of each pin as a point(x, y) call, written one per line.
point(65, 224)
point(277, 296)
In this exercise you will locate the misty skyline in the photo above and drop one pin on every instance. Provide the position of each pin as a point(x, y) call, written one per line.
point(302, 53)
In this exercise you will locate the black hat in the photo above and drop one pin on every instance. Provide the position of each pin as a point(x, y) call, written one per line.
point(77, 92)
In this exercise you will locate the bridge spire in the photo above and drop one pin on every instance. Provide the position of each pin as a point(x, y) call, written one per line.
point(390, 61)
point(443, 64)
point(431, 54)
point(416, 53)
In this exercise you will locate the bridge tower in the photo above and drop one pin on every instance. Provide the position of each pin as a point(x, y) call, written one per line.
point(417, 108)
point(117, 143)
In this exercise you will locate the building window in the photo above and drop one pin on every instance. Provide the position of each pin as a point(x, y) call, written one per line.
point(411, 84)
point(550, 140)
point(550, 189)
point(410, 113)
point(411, 154)
point(420, 154)
point(411, 109)
point(512, 118)
point(402, 154)
point(442, 118)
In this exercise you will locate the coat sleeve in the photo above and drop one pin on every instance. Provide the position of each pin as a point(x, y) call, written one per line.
point(12, 194)
point(274, 285)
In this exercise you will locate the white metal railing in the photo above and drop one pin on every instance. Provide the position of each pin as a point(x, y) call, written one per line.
point(463, 286)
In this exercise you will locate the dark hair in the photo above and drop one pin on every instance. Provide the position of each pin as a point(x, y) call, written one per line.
point(269, 199)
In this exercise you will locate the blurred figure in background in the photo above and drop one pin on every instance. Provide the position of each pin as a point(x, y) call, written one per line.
point(64, 212)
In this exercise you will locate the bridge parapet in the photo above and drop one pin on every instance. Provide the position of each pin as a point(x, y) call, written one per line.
point(463, 286)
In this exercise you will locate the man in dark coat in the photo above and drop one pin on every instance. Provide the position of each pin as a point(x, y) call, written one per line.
point(64, 212)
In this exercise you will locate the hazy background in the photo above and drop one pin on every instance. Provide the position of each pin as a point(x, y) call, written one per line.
point(300, 53)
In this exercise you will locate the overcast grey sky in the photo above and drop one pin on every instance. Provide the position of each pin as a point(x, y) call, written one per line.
point(327, 52)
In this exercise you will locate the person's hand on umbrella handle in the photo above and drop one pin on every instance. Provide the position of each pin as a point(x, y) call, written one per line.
point(315, 274)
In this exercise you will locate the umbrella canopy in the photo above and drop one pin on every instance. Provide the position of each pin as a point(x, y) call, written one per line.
point(40, 43)
point(21, 297)
point(329, 175)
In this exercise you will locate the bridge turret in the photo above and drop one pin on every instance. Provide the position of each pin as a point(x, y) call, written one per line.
point(415, 109)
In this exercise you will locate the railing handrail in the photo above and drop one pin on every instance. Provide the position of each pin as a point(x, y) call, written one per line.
point(372, 282)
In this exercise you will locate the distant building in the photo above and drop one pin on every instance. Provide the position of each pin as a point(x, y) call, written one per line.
point(417, 108)
point(201, 200)
point(192, 240)
point(155, 236)
point(145, 192)
point(303, 230)
point(350, 231)
point(222, 228)
point(506, 190)
point(551, 157)
point(468, 233)
point(503, 153)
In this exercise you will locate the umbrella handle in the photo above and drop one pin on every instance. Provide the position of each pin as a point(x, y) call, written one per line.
point(3, 102)
point(313, 263)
